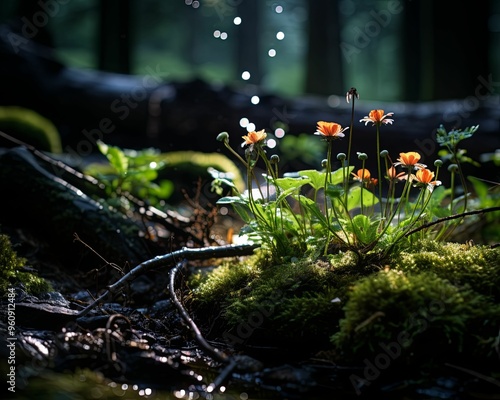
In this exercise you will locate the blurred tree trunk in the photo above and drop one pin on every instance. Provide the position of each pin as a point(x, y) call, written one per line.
point(462, 52)
point(248, 54)
point(324, 62)
point(446, 49)
point(114, 36)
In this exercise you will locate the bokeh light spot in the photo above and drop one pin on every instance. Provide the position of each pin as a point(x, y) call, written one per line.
point(244, 122)
point(237, 21)
point(245, 75)
point(279, 133)
point(280, 35)
point(271, 52)
point(251, 127)
point(255, 100)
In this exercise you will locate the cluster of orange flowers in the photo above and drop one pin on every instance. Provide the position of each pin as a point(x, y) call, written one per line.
point(409, 161)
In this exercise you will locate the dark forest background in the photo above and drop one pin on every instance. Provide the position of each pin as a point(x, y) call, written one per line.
point(404, 50)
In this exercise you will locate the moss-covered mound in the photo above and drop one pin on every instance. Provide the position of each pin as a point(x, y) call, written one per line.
point(11, 271)
point(443, 296)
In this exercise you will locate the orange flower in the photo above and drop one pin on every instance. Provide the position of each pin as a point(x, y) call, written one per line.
point(363, 175)
point(410, 159)
point(330, 129)
point(425, 177)
point(254, 137)
point(392, 175)
point(377, 117)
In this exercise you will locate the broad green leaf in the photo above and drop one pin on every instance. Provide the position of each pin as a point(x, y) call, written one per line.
point(289, 183)
point(354, 198)
point(316, 178)
point(338, 176)
point(480, 188)
point(364, 229)
point(334, 191)
point(232, 200)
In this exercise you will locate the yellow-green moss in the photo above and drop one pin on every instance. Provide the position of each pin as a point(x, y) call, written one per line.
point(30, 127)
point(11, 274)
point(416, 311)
point(297, 295)
point(477, 266)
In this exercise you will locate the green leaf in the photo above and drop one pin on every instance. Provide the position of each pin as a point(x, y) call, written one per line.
point(364, 229)
point(480, 188)
point(316, 178)
point(339, 175)
point(354, 198)
point(118, 160)
point(334, 191)
point(232, 200)
point(289, 183)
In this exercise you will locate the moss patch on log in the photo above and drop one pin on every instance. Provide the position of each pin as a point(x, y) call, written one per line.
point(11, 273)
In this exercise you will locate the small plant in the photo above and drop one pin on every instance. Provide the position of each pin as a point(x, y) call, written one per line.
point(132, 171)
point(347, 209)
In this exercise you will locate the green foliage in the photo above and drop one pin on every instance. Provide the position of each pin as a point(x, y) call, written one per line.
point(11, 271)
point(142, 173)
point(419, 310)
point(30, 127)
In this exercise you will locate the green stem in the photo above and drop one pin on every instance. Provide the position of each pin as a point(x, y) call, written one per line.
point(378, 167)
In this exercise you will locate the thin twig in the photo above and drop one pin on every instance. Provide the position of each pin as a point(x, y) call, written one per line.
point(212, 351)
point(451, 217)
point(203, 253)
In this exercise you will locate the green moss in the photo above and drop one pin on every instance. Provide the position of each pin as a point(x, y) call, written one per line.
point(416, 309)
point(477, 266)
point(11, 274)
point(292, 299)
point(30, 127)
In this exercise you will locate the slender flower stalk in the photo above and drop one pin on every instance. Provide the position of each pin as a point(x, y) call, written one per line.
point(351, 95)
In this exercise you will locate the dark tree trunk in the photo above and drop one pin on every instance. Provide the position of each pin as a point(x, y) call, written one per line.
point(324, 62)
point(114, 37)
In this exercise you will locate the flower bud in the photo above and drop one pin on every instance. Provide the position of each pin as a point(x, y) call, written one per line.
point(341, 156)
point(223, 137)
point(275, 159)
point(384, 153)
point(438, 163)
point(453, 168)
point(362, 156)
